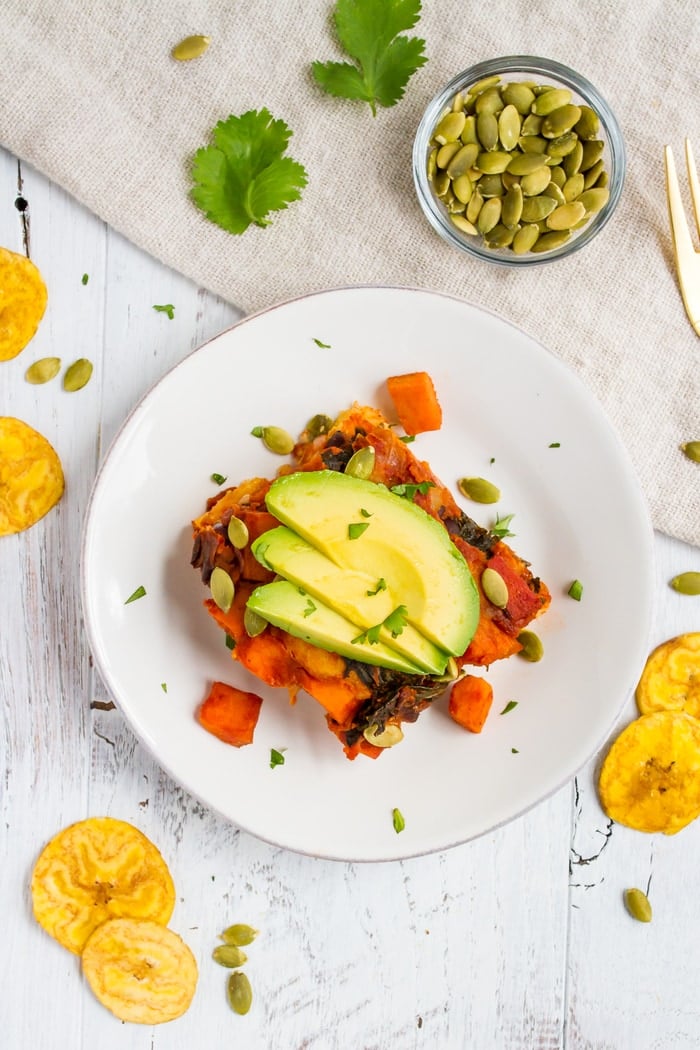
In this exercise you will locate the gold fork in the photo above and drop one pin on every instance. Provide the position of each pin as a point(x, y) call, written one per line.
point(687, 258)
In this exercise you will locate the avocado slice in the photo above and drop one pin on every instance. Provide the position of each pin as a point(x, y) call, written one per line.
point(363, 599)
point(287, 606)
point(364, 527)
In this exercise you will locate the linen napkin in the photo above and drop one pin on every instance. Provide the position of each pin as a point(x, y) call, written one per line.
point(90, 96)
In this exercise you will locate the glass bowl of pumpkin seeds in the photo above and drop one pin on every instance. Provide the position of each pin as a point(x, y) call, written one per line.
point(519, 161)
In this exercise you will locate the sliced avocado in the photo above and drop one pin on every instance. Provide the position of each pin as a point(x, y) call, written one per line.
point(287, 606)
point(401, 544)
point(363, 599)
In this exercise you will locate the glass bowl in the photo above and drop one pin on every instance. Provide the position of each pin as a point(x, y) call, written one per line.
point(537, 73)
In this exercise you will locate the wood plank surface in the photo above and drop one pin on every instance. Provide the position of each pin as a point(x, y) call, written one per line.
point(517, 941)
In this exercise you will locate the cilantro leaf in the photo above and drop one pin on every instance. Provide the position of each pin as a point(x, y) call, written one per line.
point(381, 586)
point(397, 620)
point(409, 489)
point(244, 175)
point(368, 30)
point(276, 757)
point(166, 308)
point(501, 526)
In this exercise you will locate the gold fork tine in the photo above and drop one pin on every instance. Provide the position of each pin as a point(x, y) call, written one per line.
point(694, 184)
point(687, 259)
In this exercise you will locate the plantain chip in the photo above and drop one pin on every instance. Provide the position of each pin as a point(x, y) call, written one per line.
point(23, 299)
point(140, 970)
point(31, 476)
point(671, 677)
point(650, 778)
point(95, 870)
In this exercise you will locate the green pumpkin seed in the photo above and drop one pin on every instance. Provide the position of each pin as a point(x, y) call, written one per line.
point(491, 186)
point(560, 121)
point(588, 124)
point(318, 424)
point(479, 490)
point(488, 101)
point(277, 440)
point(566, 216)
point(509, 180)
point(532, 648)
point(686, 583)
point(239, 992)
point(239, 934)
point(222, 588)
point(572, 188)
point(389, 736)
point(462, 160)
point(361, 463)
point(637, 904)
point(484, 84)
point(509, 127)
point(238, 533)
point(512, 207)
point(253, 623)
point(561, 146)
point(189, 48)
point(463, 187)
point(500, 236)
point(487, 130)
point(525, 238)
point(533, 144)
point(691, 450)
point(447, 152)
point(554, 192)
point(535, 209)
point(547, 242)
point(591, 176)
point(494, 587)
point(458, 102)
point(534, 184)
point(550, 100)
point(592, 152)
point(490, 215)
point(558, 175)
point(77, 375)
point(469, 135)
point(229, 955)
point(602, 180)
point(520, 96)
point(525, 164)
point(572, 161)
point(493, 163)
point(475, 205)
point(441, 183)
point(594, 199)
point(449, 128)
point(43, 370)
point(532, 125)
point(463, 224)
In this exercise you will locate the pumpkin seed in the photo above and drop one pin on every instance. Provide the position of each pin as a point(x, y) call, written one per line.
point(43, 370)
point(500, 236)
point(558, 175)
point(318, 424)
point(525, 164)
point(572, 161)
point(458, 102)
point(222, 588)
point(594, 199)
point(509, 127)
point(229, 955)
point(469, 134)
point(253, 623)
point(432, 163)
point(492, 163)
point(591, 176)
point(463, 187)
point(449, 128)
point(277, 440)
point(491, 185)
point(189, 48)
point(566, 216)
point(532, 648)
point(475, 205)
point(239, 992)
point(494, 587)
point(572, 188)
point(447, 152)
point(562, 145)
point(532, 125)
point(361, 463)
point(520, 96)
point(554, 192)
point(77, 375)
point(238, 533)
point(391, 735)
point(462, 160)
point(479, 490)
point(239, 934)
point(441, 183)
point(637, 904)
point(560, 121)
point(490, 215)
point(525, 238)
point(592, 152)
point(547, 242)
point(533, 184)
point(463, 224)
point(512, 207)
point(533, 144)
point(484, 84)
point(488, 101)
point(686, 583)
point(537, 208)
point(487, 130)
point(588, 123)
point(691, 449)
point(550, 100)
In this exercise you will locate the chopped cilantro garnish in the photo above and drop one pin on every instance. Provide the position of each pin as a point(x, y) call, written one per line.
point(398, 821)
point(244, 175)
point(356, 528)
point(310, 608)
point(168, 309)
point(397, 620)
point(509, 706)
point(230, 642)
point(276, 758)
point(514, 751)
point(140, 592)
point(384, 61)
point(164, 686)
point(575, 591)
point(324, 346)
point(365, 513)
point(84, 279)
point(219, 479)
point(555, 444)
point(408, 439)
point(409, 490)
point(501, 526)
point(381, 586)
point(257, 432)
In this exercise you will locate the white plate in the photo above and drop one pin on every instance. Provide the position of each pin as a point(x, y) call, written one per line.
point(578, 512)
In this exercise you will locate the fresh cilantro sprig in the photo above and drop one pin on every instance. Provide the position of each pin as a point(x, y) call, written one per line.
point(501, 526)
point(384, 61)
point(395, 622)
point(408, 489)
point(244, 175)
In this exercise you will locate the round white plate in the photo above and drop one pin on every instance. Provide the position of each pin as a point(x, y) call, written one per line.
point(507, 403)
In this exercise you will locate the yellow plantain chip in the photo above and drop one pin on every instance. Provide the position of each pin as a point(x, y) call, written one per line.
point(31, 476)
point(140, 970)
point(671, 677)
point(22, 302)
point(99, 869)
point(650, 779)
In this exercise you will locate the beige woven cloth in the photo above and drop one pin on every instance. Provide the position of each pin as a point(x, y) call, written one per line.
point(91, 97)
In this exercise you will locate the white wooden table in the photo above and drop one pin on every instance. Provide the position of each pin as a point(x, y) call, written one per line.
point(518, 940)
